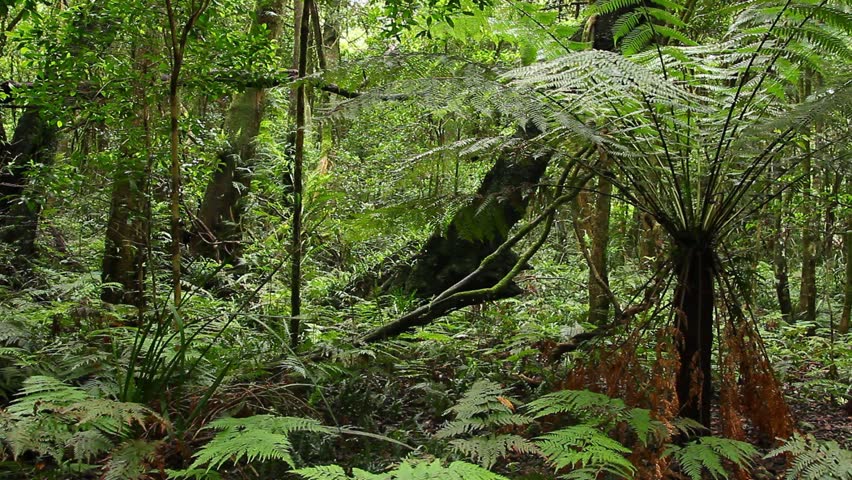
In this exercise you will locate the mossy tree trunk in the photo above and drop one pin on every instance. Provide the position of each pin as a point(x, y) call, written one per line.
point(218, 231)
point(127, 232)
point(475, 231)
point(33, 143)
point(843, 328)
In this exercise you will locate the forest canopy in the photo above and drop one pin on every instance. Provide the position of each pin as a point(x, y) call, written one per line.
point(425, 239)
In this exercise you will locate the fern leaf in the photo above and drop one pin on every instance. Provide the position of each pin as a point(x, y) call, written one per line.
point(585, 446)
point(707, 453)
point(130, 460)
point(260, 437)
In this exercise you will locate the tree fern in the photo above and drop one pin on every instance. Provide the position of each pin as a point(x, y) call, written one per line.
point(257, 438)
point(642, 23)
point(815, 460)
point(708, 453)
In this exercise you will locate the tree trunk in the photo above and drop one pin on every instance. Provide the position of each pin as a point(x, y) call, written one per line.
point(33, 143)
point(807, 294)
point(475, 231)
point(218, 224)
point(843, 328)
point(693, 301)
point(598, 274)
point(126, 239)
point(778, 246)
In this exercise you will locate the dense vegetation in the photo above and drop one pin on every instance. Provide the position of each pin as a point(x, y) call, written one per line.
point(453, 239)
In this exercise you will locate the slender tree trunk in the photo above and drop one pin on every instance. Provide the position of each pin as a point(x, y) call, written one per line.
point(218, 229)
point(843, 328)
point(807, 294)
point(598, 270)
point(298, 158)
point(779, 263)
point(694, 300)
point(177, 43)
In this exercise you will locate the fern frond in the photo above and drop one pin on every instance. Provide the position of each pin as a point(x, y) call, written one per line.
point(580, 403)
point(813, 460)
point(325, 472)
point(131, 460)
point(89, 444)
point(41, 392)
point(586, 447)
point(707, 453)
point(260, 437)
point(486, 450)
point(410, 469)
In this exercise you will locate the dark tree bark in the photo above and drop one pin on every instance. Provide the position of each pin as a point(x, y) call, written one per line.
point(33, 143)
point(694, 300)
point(778, 245)
point(218, 231)
point(126, 240)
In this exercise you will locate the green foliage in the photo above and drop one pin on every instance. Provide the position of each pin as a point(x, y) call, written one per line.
point(815, 460)
point(598, 409)
point(72, 426)
point(479, 414)
point(708, 453)
point(642, 25)
point(407, 470)
point(257, 438)
point(585, 448)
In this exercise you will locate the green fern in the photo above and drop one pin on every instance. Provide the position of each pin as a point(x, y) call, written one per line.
point(407, 470)
point(708, 453)
point(597, 409)
point(481, 411)
point(51, 418)
point(584, 447)
point(131, 460)
point(642, 25)
point(815, 460)
point(260, 437)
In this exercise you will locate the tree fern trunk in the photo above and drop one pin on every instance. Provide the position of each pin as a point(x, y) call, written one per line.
point(693, 301)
